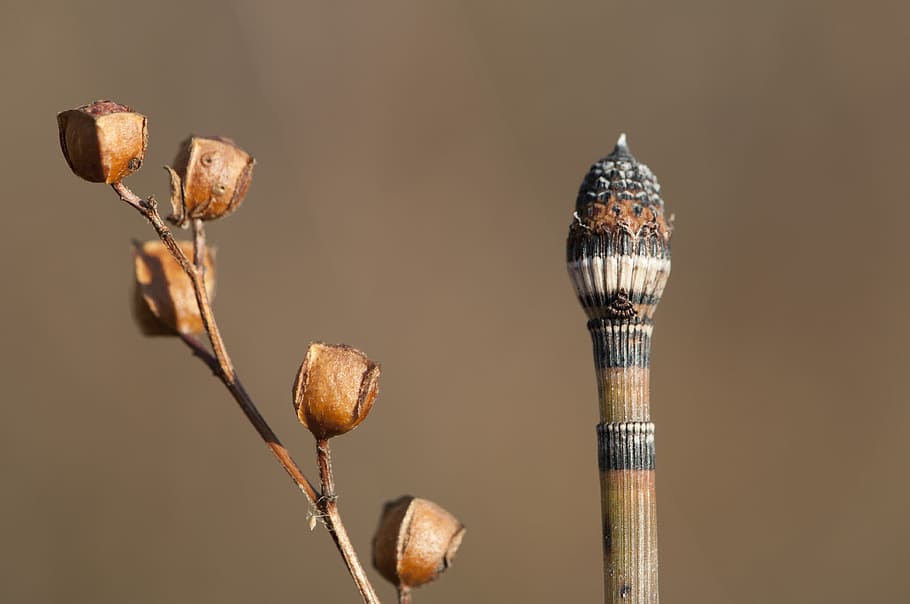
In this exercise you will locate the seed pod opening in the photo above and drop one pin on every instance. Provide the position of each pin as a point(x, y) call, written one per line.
point(103, 141)
point(415, 542)
point(210, 178)
point(164, 302)
point(335, 389)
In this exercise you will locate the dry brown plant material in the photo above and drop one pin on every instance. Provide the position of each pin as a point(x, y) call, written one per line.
point(103, 141)
point(336, 385)
point(335, 389)
point(415, 542)
point(165, 301)
point(209, 179)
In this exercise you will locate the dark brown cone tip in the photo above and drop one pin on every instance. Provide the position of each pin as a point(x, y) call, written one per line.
point(335, 389)
point(415, 542)
point(103, 141)
point(619, 193)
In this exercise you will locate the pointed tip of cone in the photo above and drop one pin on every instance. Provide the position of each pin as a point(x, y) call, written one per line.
point(621, 149)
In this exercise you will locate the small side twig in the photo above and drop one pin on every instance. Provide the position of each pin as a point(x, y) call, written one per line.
point(221, 365)
point(200, 351)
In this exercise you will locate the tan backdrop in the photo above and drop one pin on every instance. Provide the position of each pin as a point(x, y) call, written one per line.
point(418, 164)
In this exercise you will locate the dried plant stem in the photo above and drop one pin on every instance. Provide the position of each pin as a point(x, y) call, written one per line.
point(200, 351)
point(625, 440)
point(328, 507)
point(199, 246)
point(223, 368)
point(404, 595)
point(618, 257)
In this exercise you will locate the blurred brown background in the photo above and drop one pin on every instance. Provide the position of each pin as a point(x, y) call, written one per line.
point(418, 165)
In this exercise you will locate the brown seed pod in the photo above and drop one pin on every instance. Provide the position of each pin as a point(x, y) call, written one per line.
point(164, 302)
point(415, 542)
point(103, 141)
point(334, 389)
point(209, 179)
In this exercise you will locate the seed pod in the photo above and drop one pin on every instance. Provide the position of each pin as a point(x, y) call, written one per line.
point(209, 179)
point(164, 299)
point(416, 540)
point(334, 389)
point(103, 141)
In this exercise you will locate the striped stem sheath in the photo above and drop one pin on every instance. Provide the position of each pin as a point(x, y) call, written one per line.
point(618, 256)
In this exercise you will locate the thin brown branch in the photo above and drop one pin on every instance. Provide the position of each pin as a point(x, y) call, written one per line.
point(200, 351)
point(221, 365)
point(225, 369)
point(328, 507)
point(199, 246)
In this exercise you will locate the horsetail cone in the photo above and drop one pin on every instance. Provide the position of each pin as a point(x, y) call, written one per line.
point(618, 256)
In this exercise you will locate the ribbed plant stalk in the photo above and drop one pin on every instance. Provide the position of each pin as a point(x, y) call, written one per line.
point(618, 255)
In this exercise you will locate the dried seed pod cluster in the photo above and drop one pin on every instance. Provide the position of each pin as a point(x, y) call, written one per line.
point(103, 141)
point(618, 257)
point(164, 298)
point(209, 179)
point(415, 542)
point(335, 389)
point(336, 385)
point(106, 141)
